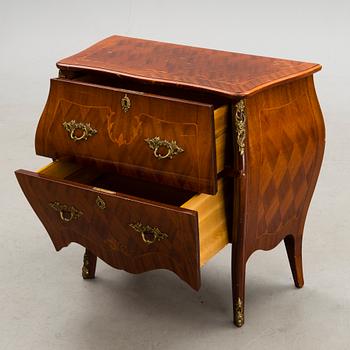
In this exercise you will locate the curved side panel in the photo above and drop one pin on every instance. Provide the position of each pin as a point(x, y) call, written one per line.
point(285, 149)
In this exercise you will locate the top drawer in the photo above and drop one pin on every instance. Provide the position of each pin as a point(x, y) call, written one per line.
point(162, 139)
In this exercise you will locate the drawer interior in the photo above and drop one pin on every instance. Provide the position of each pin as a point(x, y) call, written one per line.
point(111, 80)
point(211, 209)
point(112, 182)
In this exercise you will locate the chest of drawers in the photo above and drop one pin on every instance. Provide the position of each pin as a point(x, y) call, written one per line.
point(164, 154)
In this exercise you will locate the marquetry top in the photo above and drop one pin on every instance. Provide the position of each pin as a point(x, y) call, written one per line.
point(227, 73)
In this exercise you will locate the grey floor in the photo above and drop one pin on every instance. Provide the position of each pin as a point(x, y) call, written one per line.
point(44, 303)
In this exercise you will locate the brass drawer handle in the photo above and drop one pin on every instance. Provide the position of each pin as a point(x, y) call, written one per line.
point(155, 143)
point(149, 234)
point(126, 103)
point(67, 213)
point(86, 128)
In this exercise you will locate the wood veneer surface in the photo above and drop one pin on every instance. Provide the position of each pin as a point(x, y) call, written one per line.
point(227, 73)
point(120, 136)
point(107, 232)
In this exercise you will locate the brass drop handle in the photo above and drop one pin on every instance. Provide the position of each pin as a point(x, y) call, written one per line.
point(86, 128)
point(67, 213)
point(149, 234)
point(156, 143)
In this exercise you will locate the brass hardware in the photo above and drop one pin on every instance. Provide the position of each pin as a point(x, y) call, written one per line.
point(155, 143)
point(65, 209)
point(149, 234)
point(100, 203)
point(239, 313)
point(126, 103)
point(86, 128)
point(85, 269)
point(240, 122)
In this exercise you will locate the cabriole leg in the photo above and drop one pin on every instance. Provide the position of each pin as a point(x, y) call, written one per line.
point(294, 250)
point(238, 286)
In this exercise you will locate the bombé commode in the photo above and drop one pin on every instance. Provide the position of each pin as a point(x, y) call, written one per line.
point(163, 154)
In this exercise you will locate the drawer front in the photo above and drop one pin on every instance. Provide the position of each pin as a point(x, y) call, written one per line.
point(160, 139)
point(126, 232)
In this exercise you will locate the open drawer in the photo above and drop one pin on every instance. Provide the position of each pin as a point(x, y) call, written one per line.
point(129, 223)
point(167, 140)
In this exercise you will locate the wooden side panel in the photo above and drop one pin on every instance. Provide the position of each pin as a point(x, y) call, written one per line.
point(286, 141)
point(212, 222)
point(120, 137)
point(221, 129)
point(276, 174)
point(106, 232)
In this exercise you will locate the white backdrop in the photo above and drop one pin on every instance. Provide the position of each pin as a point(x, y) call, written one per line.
point(43, 302)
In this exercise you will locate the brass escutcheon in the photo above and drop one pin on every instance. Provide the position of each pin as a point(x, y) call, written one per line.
point(86, 128)
point(155, 143)
point(126, 103)
point(149, 234)
point(67, 213)
point(100, 203)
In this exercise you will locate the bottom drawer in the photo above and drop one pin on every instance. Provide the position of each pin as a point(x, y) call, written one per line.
point(131, 224)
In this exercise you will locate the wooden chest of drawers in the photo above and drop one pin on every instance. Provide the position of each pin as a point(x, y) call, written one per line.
point(164, 154)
